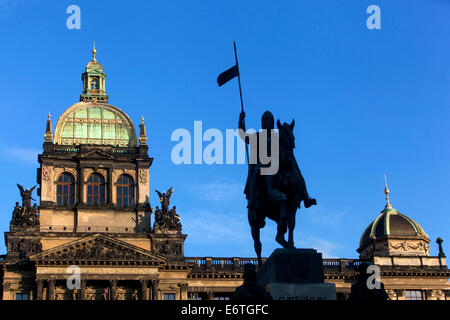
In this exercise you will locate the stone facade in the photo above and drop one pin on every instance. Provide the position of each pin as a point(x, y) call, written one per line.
point(79, 250)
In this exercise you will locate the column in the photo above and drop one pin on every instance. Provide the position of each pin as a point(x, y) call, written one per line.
point(83, 290)
point(144, 294)
point(113, 291)
point(80, 185)
point(39, 289)
point(210, 295)
point(51, 289)
point(155, 284)
point(110, 185)
point(183, 291)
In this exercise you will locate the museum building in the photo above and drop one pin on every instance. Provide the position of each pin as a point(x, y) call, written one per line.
point(94, 220)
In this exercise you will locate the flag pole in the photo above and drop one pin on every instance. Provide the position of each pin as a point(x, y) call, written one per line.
point(240, 94)
point(239, 76)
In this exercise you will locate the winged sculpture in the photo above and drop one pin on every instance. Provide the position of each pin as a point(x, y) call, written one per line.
point(164, 198)
point(26, 196)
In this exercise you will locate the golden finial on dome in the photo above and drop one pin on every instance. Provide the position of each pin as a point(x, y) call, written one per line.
point(386, 192)
point(49, 116)
point(94, 52)
point(142, 119)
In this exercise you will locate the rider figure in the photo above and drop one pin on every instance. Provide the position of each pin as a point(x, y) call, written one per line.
point(285, 188)
point(257, 187)
point(259, 190)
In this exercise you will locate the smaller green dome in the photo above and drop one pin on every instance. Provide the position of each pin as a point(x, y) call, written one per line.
point(391, 223)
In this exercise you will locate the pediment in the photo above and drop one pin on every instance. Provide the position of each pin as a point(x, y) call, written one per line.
point(98, 247)
point(96, 154)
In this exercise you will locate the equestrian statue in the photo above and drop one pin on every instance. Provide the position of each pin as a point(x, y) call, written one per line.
point(275, 196)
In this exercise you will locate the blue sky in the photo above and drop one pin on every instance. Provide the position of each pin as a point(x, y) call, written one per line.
point(366, 102)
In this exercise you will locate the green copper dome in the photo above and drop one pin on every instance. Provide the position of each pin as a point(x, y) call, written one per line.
point(95, 124)
point(391, 223)
point(93, 121)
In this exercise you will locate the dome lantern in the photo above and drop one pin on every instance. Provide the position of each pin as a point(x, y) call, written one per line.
point(94, 81)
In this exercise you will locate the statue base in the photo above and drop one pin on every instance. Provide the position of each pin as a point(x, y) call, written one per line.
point(295, 274)
point(307, 291)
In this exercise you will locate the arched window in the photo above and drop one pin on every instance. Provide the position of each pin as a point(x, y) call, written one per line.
point(65, 190)
point(94, 84)
point(96, 189)
point(125, 191)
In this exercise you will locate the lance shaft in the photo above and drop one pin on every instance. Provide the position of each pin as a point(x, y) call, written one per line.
point(240, 94)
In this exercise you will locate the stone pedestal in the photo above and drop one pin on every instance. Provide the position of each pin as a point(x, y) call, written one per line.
point(295, 274)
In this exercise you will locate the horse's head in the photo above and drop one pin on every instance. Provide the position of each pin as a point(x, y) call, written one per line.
point(286, 131)
point(287, 140)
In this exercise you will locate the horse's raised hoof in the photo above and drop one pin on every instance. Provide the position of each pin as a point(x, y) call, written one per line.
point(280, 240)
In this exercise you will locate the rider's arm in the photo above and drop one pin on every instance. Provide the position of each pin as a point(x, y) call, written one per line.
point(241, 126)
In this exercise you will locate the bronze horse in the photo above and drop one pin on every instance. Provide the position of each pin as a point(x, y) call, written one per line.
point(289, 188)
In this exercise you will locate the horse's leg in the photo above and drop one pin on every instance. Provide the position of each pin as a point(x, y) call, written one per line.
point(255, 229)
point(282, 225)
point(291, 224)
point(257, 244)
